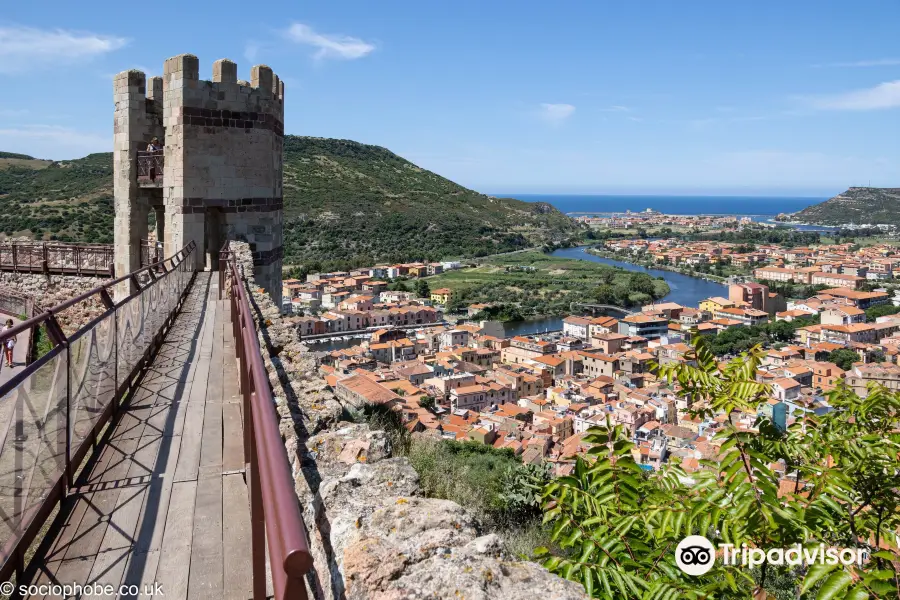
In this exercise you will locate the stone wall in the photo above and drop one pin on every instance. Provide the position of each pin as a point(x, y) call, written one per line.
point(48, 292)
point(372, 533)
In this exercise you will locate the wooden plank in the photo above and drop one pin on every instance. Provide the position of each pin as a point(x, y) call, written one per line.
point(211, 448)
point(207, 563)
point(236, 538)
point(175, 554)
point(233, 440)
point(192, 435)
point(188, 466)
point(141, 571)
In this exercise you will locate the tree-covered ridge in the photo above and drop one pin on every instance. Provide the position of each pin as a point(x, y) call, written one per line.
point(346, 204)
point(65, 200)
point(858, 205)
point(616, 526)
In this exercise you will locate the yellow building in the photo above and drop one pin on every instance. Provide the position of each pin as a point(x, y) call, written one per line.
point(716, 303)
point(441, 295)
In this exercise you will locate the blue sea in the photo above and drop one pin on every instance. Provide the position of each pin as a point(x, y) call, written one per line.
point(761, 208)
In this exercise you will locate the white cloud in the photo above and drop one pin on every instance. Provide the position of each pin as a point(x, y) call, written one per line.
point(884, 95)
point(336, 46)
point(878, 62)
point(556, 113)
point(53, 142)
point(24, 48)
point(616, 108)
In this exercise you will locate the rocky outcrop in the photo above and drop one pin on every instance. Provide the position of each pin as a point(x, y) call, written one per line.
point(372, 533)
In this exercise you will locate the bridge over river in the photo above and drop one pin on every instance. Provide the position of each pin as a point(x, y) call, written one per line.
point(145, 447)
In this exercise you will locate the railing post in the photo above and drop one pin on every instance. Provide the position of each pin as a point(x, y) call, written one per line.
point(15, 257)
point(257, 516)
point(45, 265)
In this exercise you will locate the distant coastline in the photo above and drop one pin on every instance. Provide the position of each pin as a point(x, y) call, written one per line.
point(752, 206)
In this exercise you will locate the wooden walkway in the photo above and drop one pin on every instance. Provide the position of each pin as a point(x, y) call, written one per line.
point(165, 502)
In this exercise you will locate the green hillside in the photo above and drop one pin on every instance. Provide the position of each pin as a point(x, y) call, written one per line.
point(346, 204)
point(860, 205)
point(66, 200)
point(354, 202)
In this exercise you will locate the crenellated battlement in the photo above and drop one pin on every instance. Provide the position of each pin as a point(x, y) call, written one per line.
point(219, 176)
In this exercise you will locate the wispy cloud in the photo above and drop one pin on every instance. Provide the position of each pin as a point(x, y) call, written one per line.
point(556, 113)
point(882, 96)
point(328, 45)
point(636, 119)
point(616, 108)
point(878, 62)
point(23, 48)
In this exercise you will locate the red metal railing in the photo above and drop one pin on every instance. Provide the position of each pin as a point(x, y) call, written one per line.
point(150, 165)
point(274, 508)
point(58, 258)
point(52, 413)
point(151, 252)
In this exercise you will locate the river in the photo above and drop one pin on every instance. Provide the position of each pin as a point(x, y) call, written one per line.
point(684, 289)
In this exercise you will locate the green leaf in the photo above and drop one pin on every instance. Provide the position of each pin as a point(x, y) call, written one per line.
point(836, 583)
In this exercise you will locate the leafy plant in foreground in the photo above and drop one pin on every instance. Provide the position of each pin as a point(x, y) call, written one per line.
point(617, 526)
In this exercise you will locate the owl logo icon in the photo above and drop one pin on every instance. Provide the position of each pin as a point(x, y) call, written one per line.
point(695, 555)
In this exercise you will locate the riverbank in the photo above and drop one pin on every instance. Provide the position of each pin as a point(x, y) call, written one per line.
point(686, 290)
point(652, 265)
point(547, 284)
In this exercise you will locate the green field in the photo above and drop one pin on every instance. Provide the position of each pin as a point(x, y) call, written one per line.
point(540, 284)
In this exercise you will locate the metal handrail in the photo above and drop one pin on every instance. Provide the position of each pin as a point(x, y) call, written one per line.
point(27, 526)
point(274, 509)
point(57, 257)
point(102, 291)
point(150, 165)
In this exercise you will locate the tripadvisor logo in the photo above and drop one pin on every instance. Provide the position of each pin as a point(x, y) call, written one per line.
point(696, 555)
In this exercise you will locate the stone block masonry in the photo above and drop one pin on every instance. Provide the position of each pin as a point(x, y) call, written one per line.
point(223, 155)
point(372, 534)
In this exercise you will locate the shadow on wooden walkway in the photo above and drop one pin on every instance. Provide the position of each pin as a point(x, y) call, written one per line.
point(165, 500)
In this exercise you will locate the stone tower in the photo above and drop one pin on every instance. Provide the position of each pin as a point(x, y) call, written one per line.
point(219, 174)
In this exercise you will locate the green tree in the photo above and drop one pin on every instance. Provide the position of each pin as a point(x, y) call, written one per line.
point(399, 286)
point(616, 526)
point(422, 289)
point(882, 310)
point(843, 358)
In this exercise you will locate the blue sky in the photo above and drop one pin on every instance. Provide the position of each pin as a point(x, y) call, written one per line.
point(544, 97)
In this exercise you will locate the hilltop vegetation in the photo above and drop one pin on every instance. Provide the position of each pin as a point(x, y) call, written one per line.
point(66, 200)
point(346, 204)
point(860, 205)
point(350, 204)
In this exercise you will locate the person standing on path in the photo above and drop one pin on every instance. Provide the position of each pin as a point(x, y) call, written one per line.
point(9, 344)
